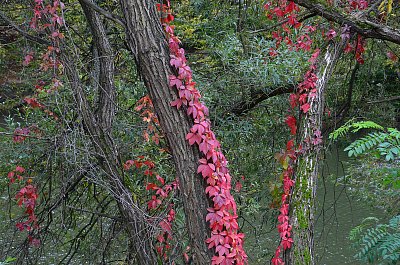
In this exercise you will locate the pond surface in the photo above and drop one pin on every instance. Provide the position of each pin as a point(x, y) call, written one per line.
point(338, 213)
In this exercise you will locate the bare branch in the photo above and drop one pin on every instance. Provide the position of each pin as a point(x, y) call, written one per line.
point(104, 12)
point(255, 98)
point(304, 16)
point(362, 26)
point(22, 32)
point(384, 100)
point(95, 213)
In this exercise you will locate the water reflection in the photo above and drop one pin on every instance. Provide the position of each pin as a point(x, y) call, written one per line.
point(337, 213)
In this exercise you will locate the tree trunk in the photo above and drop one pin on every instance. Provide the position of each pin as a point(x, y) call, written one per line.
point(97, 124)
point(302, 203)
point(147, 41)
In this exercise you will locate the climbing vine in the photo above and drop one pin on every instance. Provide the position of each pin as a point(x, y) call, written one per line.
point(161, 191)
point(46, 19)
point(222, 216)
point(300, 37)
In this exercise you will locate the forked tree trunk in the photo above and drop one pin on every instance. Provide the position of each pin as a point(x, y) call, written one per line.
point(97, 123)
point(302, 203)
point(147, 41)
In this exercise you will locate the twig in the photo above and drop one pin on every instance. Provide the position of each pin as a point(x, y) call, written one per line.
point(22, 32)
point(104, 12)
point(384, 100)
point(304, 16)
point(95, 213)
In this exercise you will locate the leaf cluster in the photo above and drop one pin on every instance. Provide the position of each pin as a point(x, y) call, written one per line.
point(353, 127)
point(380, 243)
point(387, 143)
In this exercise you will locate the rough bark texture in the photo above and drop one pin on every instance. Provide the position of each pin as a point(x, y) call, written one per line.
point(302, 204)
point(147, 42)
point(105, 58)
point(362, 26)
point(97, 124)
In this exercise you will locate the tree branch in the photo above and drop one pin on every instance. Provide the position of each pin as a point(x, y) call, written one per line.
point(22, 32)
point(338, 119)
point(104, 12)
point(362, 26)
point(304, 16)
point(384, 100)
point(96, 213)
point(256, 97)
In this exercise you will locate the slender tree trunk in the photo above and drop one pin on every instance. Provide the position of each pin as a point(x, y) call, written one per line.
point(147, 42)
point(97, 123)
point(302, 203)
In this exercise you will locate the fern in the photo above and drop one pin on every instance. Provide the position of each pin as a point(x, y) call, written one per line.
point(387, 143)
point(380, 243)
point(354, 127)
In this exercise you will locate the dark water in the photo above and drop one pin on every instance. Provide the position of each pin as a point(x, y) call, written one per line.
point(338, 213)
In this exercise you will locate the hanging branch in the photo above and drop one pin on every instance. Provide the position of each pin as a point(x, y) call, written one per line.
point(362, 26)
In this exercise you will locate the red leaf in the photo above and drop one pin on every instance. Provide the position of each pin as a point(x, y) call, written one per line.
point(28, 58)
point(217, 260)
point(277, 261)
point(212, 190)
point(177, 62)
point(177, 103)
point(205, 170)
point(293, 99)
point(33, 102)
point(238, 186)
point(286, 242)
point(166, 226)
point(151, 186)
point(392, 56)
point(331, 34)
point(223, 249)
point(305, 107)
point(291, 122)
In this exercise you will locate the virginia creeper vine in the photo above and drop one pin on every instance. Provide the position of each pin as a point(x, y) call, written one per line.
point(306, 90)
point(222, 217)
point(27, 196)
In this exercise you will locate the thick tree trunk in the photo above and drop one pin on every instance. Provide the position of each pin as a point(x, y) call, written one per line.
point(147, 42)
point(302, 203)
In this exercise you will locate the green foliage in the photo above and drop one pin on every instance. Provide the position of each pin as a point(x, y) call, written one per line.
point(7, 261)
point(353, 127)
point(379, 244)
point(387, 143)
point(386, 6)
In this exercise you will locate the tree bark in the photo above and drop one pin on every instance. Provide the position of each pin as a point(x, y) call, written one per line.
point(97, 124)
point(302, 203)
point(147, 41)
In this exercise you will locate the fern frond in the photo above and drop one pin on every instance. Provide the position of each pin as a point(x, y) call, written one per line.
point(365, 125)
point(381, 243)
point(341, 131)
point(387, 143)
point(354, 127)
point(363, 144)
